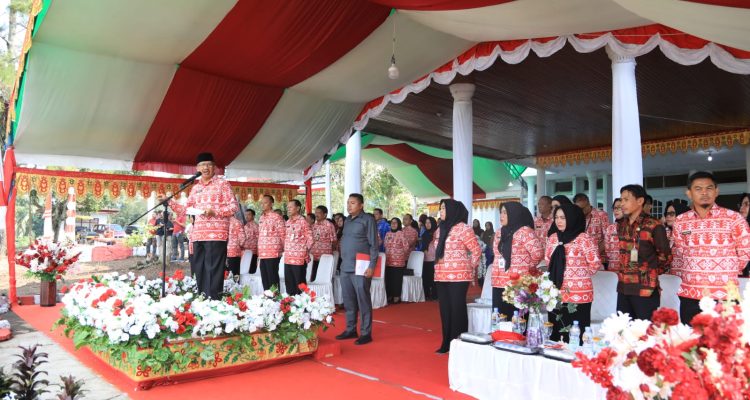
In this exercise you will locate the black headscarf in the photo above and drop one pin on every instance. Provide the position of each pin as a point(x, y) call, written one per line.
point(518, 217)
point(455, 212)
point(428, 234)
point(562, 199)
point(398, 221)
point(489, 234)
point(415, 225)
point(575, 224)
point(741, 198)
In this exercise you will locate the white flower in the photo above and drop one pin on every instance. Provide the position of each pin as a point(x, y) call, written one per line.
point(707, 305)
point(712, 363)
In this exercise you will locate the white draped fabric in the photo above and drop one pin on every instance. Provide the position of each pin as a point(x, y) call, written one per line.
point(627, 158)
point(487, 373)
point(463, 131)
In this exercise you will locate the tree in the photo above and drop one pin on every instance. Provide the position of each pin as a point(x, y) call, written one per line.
point(12, 32)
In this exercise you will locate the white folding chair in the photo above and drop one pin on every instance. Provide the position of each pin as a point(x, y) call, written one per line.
point(670, 285)
point(743, 284)
point(412, 289)
point(323, 284)
point(247, 279)
point(377, 288)
point(308, 272)
point(605, 295)
point(282, 285)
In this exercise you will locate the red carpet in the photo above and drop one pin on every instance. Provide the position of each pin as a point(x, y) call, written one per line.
point(400, 363)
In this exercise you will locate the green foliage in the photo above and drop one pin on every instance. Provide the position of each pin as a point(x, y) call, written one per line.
point(135, 240)
point(5, 383)
point(27, 377)
point(72, 388)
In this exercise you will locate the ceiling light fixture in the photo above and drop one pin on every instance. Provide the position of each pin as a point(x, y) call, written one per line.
point(709, 158)
point(393, 69)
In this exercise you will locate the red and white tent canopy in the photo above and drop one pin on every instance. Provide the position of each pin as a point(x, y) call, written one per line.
point(273, 87)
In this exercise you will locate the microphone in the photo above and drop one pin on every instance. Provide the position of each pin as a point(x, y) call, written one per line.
point(190, 180)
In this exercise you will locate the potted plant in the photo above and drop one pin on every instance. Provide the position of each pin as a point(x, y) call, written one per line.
point(48, 261)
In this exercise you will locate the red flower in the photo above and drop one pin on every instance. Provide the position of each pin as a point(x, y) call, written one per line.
point(302, 287)
point(179, 275)
point(230, 300)
point(129, 311)
point(665, 315)
point(242, 306)
point(514, 276)
point(117, 304)
point(64, 289)
point(701, 321)
point(651, 361)
point(689, 389)
point(535, 272)
point(226, 274)
point(533, 288)
point(238, 296)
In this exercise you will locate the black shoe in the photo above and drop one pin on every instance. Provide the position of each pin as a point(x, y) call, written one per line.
point(364, 339)
point(441, 351)
point(347, 335)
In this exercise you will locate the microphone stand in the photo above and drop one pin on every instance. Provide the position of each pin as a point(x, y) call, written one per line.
point(165, 218)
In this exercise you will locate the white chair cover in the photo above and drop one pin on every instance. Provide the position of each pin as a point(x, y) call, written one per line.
point(487, 286)
point(605, 295)
point(480, 316)
point(247, 279)
point(377, 289)
point(323, 285)
point(282, 285)
point(743, 284)
point(412, 289)
point(338, 297)
point(308, 273)
point(670, 284)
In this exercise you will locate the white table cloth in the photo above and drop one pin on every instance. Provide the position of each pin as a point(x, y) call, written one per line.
point(484, 372)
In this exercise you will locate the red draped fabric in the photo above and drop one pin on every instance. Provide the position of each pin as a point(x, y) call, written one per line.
point(438, 5)
point(724, 3)
point(225, 90)
point(203, 112)
point(438, 170)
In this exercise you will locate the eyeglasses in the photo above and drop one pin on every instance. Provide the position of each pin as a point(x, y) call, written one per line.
point(743, 204)
point(670, 214)
point(617, 208)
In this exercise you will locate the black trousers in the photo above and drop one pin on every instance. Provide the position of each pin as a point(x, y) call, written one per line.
point(503, 307)
point(689, 308)
point(582, 315)
point(314, 271)
point(254, 263)
point(453, 315)
point(233, 265)
point(209, 259)
point(428, 280)
point(394, 281)
point(639, 307)
point(293, 276)
point(269, 273)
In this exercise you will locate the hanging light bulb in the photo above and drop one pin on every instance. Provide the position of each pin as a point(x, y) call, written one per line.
point(709, 158)
point(393, 69)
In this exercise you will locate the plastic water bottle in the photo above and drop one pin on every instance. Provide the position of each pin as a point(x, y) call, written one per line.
point(574, 340)
point(495, 320)
point(516, 322)
point(588, 342)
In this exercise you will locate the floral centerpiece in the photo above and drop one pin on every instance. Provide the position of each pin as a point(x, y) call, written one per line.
point(121, 315)
point(533, 291)
point(48, 261)
point(662, 358)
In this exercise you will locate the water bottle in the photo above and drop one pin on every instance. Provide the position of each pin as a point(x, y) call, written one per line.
point(495, 321)
point(574, 340)
point(516, 322)
point(588, 342)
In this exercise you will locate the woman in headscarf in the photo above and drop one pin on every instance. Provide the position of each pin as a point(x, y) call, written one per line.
point(428, 268)
point(517, 248)
point(573, 258)
point(477, 227)
point(396, 253)
point(457, 255)
point(235, 241)
point(559, 200)
point(744, 209)
point(611, 240)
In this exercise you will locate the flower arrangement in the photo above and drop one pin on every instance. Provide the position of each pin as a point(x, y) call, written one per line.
point(532, 291)
point(119, 314)
point(48, 260)
point(662, 359)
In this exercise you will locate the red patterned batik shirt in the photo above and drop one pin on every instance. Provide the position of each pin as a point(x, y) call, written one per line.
point(526, 252)
point(396, 249)
point(236, 238)
point(648, 238)
point(460, 257)
point(298, 241)
point(324, 238)
point(271, 232)
point(581, 263)
point(216, 194)
point(712, 251)
point(251, 236)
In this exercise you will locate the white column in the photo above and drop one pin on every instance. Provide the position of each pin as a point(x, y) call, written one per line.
point(328, 188)
point(747, 166)
point(608, 191)
point(591, 177)
point(463, 119)
point(531, 193)
point(577, 186)
point(353, 174)
point(627, 160)
point(541, 182)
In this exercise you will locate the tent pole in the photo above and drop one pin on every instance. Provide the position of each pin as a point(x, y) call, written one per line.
point(10, 235)
point(308, 196)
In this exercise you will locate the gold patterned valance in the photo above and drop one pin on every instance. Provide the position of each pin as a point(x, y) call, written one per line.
point(487, 204)
point(58, 182)
point(652, 148)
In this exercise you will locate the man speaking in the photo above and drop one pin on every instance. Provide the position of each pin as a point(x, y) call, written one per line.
point(212, 202)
